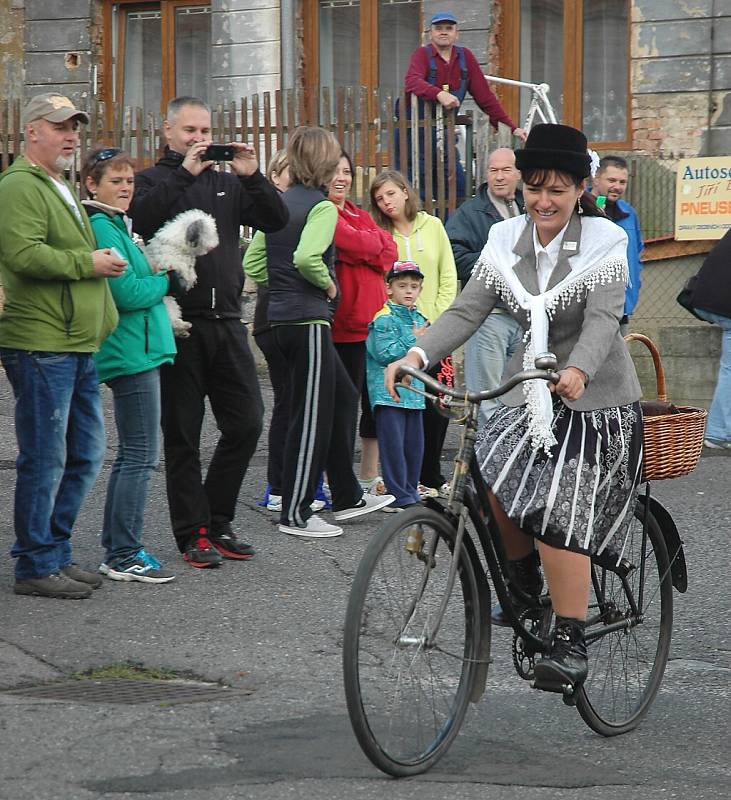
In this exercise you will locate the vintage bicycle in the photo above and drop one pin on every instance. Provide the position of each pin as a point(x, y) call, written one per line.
point(417, 636)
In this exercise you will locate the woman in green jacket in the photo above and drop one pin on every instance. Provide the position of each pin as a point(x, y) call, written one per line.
point(129, 363)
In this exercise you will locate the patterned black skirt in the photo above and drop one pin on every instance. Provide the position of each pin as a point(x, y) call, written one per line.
point(583, 495)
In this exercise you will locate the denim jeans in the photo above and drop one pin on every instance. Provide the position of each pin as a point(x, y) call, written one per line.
point(137, 417)
point(401, 447)
point(486, 354)
point(60, 433)
point(718, 425)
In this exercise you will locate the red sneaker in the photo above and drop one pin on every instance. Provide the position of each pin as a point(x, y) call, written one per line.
point(201, 553)
point(230, 547)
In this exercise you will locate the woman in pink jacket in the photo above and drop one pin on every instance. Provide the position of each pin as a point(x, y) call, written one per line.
point(364, 253)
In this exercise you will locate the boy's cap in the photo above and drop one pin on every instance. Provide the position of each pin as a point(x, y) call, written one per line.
point(53, 107)
point(443, 16)
point(404, 268)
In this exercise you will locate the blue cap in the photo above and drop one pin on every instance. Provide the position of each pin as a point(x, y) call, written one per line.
point(443, 16)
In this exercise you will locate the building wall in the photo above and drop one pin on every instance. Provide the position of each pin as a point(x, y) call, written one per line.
point(58, 48)
point(681, 77)
point(11, 49)
point(245, 56)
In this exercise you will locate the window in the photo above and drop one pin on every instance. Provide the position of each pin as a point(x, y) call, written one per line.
point(360, 42)
point(155, 51)
point(581, 49)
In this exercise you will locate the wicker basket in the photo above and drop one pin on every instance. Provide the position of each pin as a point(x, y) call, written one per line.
point(672, 442)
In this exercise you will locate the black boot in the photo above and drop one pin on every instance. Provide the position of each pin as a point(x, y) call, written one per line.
point(567, 662)
point(525, 574)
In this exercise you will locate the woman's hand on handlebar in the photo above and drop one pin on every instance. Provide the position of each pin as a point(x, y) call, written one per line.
point(571, 383)
point(390, 374)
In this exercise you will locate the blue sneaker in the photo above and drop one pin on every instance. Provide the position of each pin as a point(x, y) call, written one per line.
point(143, 568)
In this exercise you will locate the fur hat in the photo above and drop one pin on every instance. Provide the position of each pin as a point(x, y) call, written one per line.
point(559, 147)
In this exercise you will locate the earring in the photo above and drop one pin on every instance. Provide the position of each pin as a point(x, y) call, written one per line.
point(579, 209)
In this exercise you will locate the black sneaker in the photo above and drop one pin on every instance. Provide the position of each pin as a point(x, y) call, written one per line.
point(56, 585)
point(568, 662)
point(201, 553)
point(230, 547)
point(82, 576)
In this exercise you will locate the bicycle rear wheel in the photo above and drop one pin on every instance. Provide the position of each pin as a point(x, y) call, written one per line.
point(626, 666)
point(408, 685)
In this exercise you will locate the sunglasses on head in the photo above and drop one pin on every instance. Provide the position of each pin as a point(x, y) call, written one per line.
point(105, 155)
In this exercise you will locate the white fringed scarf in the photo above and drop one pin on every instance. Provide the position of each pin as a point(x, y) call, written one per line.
point(599, 258)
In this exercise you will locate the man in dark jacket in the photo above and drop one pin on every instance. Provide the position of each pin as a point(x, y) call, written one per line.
point(215, 360)
point(491, 346)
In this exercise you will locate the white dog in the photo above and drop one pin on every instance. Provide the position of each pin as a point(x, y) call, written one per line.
point(175, 247)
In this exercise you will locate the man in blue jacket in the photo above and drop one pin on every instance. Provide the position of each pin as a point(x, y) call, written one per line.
point(489, 349)
point(611, 182)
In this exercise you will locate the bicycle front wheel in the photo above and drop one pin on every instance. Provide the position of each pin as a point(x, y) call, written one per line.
point(407, 682)
point(626, 666)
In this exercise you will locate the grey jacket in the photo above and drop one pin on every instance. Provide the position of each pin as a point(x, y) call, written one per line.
point(584, 333)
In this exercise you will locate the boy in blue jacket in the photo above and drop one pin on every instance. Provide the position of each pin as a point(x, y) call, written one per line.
point(399, 429)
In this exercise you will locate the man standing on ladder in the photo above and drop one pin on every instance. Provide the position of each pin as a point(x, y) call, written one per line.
point(443, 72)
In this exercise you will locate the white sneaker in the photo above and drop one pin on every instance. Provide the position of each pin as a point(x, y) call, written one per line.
point(426, 491)
point(716, 444)
point(275, 504)
point(368, 503)
point(316, 528)
point(374, 486)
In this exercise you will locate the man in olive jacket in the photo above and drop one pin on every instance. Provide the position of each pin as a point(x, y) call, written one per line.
point(58, 309)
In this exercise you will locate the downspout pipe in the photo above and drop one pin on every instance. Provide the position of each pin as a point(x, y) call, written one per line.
point(288, 38)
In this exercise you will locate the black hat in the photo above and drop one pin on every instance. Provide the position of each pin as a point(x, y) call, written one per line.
point(559, 147)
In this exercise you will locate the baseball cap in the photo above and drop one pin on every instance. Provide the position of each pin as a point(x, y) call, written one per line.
point(443, 16)
point(53, 107)
point(404, 268)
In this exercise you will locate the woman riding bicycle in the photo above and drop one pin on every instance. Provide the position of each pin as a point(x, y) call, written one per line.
point(564, 467)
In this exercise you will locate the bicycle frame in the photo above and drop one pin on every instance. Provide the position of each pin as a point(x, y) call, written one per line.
point(461, 498)
point(476, 504)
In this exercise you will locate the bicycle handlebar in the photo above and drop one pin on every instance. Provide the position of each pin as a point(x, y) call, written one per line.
point(545, 370)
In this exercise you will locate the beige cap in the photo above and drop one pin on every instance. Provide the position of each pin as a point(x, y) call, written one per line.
point(53, 107)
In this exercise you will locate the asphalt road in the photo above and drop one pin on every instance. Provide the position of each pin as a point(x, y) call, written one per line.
point(271, 630)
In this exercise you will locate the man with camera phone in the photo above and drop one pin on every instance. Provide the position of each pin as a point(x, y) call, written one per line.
point(215, 360)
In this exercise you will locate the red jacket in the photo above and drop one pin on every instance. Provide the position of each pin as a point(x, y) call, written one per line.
point(363, 255)
point(416, 81)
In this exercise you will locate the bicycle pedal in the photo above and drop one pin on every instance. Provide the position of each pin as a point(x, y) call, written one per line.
point(558, 687)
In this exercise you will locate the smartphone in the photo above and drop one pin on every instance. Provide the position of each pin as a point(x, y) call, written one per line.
point(218, 152)
point(113, 251)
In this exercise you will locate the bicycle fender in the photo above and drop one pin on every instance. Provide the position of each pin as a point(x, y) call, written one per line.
point(678, 567)
point(483, 653)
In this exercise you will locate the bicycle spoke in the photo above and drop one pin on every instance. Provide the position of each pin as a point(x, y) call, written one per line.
point(405, 694)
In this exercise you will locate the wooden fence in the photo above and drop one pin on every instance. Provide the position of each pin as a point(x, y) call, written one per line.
point(363, 121)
